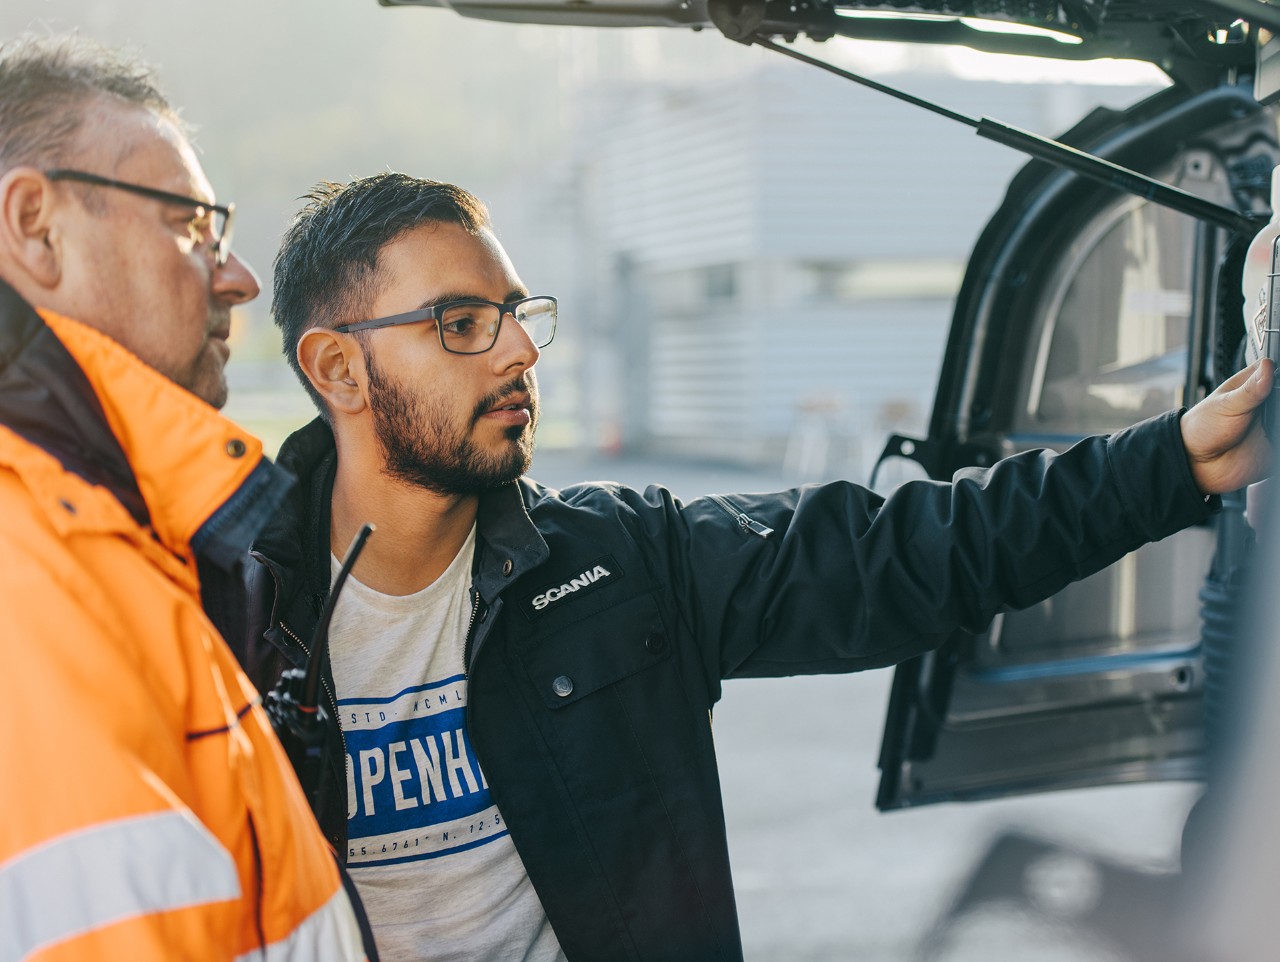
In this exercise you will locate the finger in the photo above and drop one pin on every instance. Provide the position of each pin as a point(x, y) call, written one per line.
point(1247, 388)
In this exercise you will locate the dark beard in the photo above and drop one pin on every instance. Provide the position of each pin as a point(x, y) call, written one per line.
point(422, 446)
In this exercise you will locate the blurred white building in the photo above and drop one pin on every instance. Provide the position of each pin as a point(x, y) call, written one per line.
point(761, 265)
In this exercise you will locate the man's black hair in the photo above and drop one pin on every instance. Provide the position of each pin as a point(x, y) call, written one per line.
point(326, 272)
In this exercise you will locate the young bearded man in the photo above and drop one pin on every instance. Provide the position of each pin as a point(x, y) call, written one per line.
point(149, 812)
point(521, 678)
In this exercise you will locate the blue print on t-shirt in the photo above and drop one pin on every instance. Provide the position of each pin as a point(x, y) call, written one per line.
point(412, 778)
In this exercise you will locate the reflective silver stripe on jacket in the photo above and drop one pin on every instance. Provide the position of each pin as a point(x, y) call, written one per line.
point(106, 873)
point(331, 934)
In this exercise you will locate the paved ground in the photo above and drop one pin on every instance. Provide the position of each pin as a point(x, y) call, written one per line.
point(820, 875)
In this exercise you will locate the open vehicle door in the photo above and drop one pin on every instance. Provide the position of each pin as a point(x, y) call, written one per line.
point(1084, 311)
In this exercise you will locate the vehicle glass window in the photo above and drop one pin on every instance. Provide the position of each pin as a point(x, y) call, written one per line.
point(1112, 349)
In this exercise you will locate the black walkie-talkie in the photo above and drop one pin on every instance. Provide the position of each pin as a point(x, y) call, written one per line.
point(294, 706)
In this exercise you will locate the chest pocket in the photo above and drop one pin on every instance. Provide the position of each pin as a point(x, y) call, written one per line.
point(617, 709)
point(579, 659)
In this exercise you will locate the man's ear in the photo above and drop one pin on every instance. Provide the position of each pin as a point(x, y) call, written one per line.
point(334, 364)
point(30, 240)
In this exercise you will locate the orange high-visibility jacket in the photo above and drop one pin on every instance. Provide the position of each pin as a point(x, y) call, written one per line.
point(147, 811)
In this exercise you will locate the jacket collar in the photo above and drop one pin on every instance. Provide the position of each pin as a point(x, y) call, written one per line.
point(508, 535)
point(46, 398)
point(197, 480)
point(297, 538)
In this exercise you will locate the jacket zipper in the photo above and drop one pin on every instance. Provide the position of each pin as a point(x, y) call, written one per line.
point(258, 877)
point(745, 522)
point(333, 701)
point(471, 630)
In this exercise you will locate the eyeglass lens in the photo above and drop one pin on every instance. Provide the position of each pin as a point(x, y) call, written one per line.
point(222, 224)
point(472, 328)
point(213, 227)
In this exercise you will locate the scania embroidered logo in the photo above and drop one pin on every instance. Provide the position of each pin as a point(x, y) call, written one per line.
point(586, 579)
point(583, 578)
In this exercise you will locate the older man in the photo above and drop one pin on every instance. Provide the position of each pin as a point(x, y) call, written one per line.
point(149, 812)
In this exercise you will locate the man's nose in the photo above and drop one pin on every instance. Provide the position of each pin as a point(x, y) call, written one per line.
point(235, 281)
point(514, 347)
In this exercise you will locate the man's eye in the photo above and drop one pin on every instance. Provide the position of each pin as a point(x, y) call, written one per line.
point(458, 325)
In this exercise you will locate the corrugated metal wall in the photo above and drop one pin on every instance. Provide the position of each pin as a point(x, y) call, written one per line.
point(771, 257)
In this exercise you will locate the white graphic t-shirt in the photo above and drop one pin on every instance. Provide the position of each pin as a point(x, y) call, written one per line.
point(427, 848)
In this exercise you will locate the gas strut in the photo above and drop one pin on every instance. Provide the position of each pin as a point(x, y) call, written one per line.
point(293, 705)
point(1257, 12)
point(739, 20)
point(1058, 154)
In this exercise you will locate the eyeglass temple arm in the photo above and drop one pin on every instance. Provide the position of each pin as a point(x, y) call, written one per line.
point(409, 317)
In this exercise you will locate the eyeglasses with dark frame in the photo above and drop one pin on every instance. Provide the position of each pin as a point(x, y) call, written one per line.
point(211, 224)
point(471, 326)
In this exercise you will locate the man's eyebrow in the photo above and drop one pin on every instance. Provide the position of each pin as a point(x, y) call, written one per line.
point(515, 294)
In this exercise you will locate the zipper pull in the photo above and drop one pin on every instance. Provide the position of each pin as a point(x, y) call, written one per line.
point(745, 521)
point(750, 524)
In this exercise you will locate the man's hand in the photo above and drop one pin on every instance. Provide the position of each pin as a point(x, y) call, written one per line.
point(1223, 435)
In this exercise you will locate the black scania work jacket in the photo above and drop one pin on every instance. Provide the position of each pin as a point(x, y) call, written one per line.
point(608, 617)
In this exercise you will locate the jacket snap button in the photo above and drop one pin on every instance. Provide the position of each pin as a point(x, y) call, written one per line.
point(236, 448)
point(655, 643)
point(563, 686)
point(507, 567)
